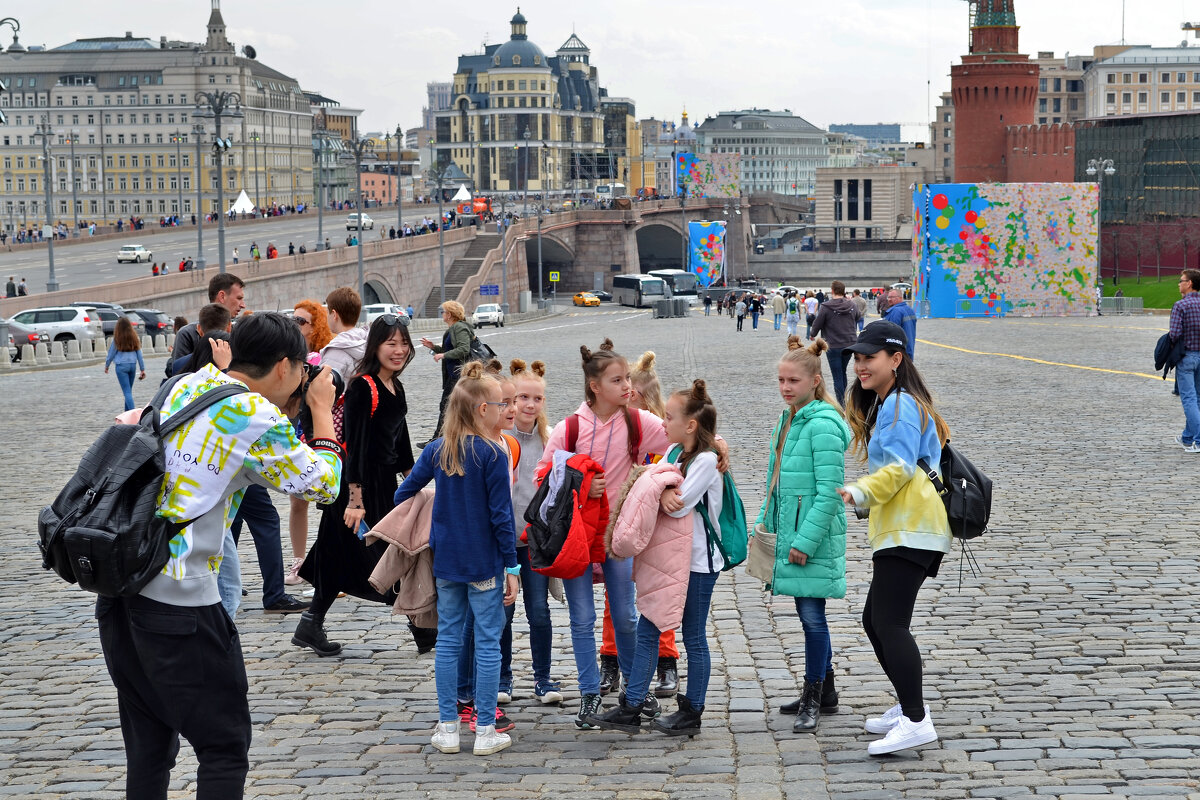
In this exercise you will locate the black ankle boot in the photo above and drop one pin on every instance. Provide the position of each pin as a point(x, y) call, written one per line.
point(684, 722)
point(610, 674)
point(810, 708)
point(624, 717)
point(829, 695)
point(668, 677)
point(311, 633)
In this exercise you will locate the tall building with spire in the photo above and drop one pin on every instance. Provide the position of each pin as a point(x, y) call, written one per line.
point(994, 87)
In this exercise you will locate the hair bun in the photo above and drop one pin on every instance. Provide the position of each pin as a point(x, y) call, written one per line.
point(538, 368)
point(607, 345)
point(818, 346)
point(516, 366)
point(473, 370)
point(794, 342)
point(646, 362)
point(493, 366)
point(587, 354)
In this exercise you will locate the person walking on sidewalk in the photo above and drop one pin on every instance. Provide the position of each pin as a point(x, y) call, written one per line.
point(836, 319)
point(126, 352)
point(778, 307)
point(1185, 326)
point(895, 425)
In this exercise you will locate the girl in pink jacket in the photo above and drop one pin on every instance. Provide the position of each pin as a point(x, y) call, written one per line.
point(615, 436)
point(691, 427)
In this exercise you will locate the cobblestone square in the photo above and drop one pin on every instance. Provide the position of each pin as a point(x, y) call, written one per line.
point(1067, 668)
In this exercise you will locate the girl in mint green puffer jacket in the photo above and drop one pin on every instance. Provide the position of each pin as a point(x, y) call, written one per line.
point(804, 511)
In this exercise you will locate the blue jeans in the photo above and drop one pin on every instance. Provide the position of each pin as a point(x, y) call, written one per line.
point(125, 375)
point(1187, 378)
point(778, 319)
point(707, 309)
point(535, 589)
point(818, 647)
point(695, 641)
point(839, 359)
point(793, 320)
point(259, 513)
point(862, 323)
point(229, 578)
point(466, 656)
point(453, 600)
point(754, 320)
point(581, 608)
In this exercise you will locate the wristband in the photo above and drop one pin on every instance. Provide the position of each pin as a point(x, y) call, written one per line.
point(327, 444)
point(513, 570)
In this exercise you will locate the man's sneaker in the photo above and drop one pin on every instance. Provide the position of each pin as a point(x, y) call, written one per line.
point(488, 740)
point(504, 695)
point(288, 605)
point(905, 734)
point(1179, 440)
point(445, 737)
point(589, 704)
point(1194, 447)
point(548, 692)
point(466, 713)
point(503, 723)
point(886, 722)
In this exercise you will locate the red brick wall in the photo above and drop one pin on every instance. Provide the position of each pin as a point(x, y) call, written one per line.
point(989, 97)
point(1041, 153)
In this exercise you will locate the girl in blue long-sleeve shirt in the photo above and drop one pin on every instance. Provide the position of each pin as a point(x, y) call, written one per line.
point(126, 352)
point(474, 548)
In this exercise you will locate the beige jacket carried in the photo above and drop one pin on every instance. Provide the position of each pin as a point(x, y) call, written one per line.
point(408, 563)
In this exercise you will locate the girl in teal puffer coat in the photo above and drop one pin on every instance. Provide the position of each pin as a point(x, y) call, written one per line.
point(804, 511)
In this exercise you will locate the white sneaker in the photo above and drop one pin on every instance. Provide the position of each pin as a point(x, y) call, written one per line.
point(887, 721)
point(503, 698)
point(1194, 447)
point(487, 741)
point(445, 737)
point(1179, 439)
point(903, 735)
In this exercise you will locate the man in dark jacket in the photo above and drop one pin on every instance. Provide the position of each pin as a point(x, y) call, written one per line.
point(903, 315)
point(838, 319)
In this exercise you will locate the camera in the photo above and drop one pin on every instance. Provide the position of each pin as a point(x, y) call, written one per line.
point(310, 373)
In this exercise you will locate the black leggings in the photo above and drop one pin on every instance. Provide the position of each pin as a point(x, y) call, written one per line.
point(887, 615)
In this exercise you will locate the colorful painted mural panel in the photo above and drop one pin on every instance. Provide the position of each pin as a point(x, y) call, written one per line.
point(706, 249)
point(709, 174)
point(1027, 249)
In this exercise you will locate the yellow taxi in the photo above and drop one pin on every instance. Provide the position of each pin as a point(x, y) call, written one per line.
point(585, 299)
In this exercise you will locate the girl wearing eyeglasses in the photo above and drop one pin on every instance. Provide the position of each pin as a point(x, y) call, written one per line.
point(377, 449)
point(474, 550)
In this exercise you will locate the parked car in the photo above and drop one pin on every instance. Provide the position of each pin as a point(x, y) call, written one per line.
point(110, 313)
point(605, 297)
point(133, 252)
point(488, 314)
point(63, 323)
point(375, 310)
point(585, 299)
point(20, 335)
point(352, 223)
point(156, 322)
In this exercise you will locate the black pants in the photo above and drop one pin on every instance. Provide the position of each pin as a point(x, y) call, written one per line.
point(740, 320)
point(177, 670)
point(887, 615)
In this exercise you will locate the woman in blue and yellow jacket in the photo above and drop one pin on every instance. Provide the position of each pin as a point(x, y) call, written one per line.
point(895, 426)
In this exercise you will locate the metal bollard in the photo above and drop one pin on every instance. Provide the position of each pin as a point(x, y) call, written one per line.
point(73, 351)
point(40, 354)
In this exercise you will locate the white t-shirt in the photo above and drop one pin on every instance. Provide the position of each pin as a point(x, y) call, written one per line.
point(811, 304)
point(702, 482)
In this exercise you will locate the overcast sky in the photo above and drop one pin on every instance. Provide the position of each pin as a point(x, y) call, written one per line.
point(842, 61)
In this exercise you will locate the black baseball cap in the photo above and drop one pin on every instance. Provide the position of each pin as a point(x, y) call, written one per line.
point(879, 335)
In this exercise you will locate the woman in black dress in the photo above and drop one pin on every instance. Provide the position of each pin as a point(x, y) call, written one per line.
point(377, 449)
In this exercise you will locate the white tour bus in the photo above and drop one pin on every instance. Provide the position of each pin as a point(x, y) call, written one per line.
point(638, 291)
point(681, 283)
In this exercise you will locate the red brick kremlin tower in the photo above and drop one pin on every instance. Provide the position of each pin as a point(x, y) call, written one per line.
point(993, 87)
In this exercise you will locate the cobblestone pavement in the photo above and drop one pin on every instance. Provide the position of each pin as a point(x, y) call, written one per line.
point(1068, 668)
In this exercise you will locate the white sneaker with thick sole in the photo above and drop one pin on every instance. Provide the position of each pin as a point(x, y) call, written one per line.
point(1194, 447)
point(905, 734)
point(487, 741)
point(445, 737)
point(886, 722)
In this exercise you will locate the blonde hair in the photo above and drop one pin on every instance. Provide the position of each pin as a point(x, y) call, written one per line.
point(809, 360)
point(645, 378)
point(472, 389)
point(534, 372)
point(455, 310)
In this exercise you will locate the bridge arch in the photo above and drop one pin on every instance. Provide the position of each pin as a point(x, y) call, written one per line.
point(377, 290)
point(556, 257)
point(660, 246)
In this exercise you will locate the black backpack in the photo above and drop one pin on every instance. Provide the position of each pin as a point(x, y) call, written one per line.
point(966, 492)
point(101, 531)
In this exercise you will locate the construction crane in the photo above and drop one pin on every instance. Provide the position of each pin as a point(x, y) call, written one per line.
point(972, 8)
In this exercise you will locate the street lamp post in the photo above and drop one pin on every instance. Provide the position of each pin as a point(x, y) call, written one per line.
point(254, 137)
point(1099, 167)
point(358, 147)
point(504, 253)
point(177, 138)
point(43, 131)
point(198, 131)
point(215, 106)
point(74, 187)
point(399, 188)
point(319, 141)
point(683, 228)
point(525, 199)
point(439, 174)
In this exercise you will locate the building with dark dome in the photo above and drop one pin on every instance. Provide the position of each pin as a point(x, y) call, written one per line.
point(520, 119)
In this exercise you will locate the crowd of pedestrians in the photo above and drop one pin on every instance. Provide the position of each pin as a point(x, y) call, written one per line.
point(441, 537)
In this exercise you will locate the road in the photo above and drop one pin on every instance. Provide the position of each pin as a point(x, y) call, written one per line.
point(95, 263)
point(1065, 669)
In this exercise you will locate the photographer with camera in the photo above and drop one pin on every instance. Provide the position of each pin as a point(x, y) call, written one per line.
point(377, 449)
point(172, 652)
